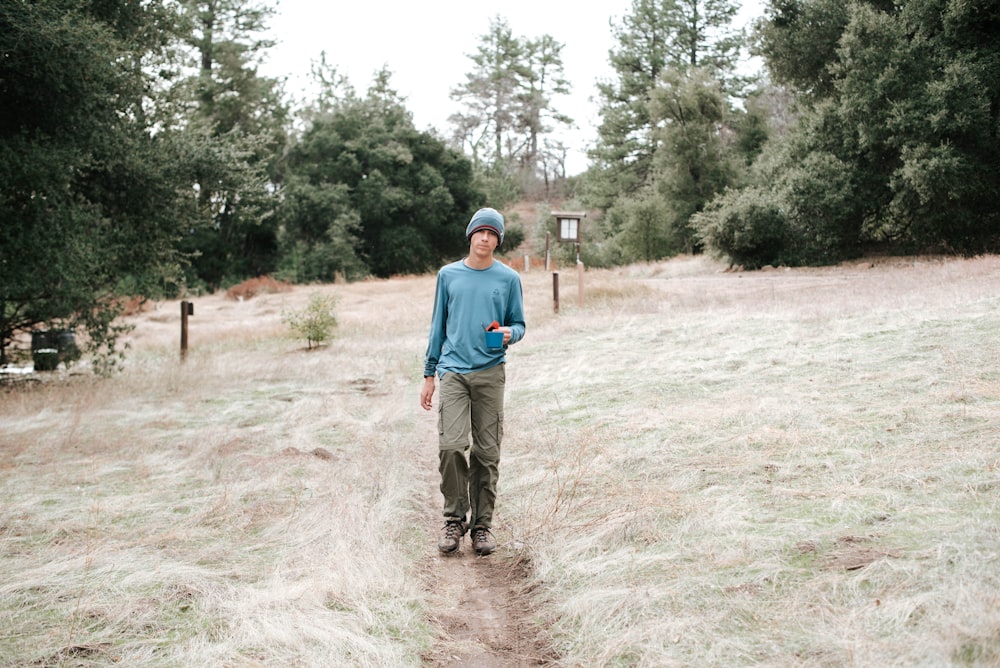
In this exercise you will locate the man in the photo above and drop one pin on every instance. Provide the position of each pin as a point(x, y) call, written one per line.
point(471, 295)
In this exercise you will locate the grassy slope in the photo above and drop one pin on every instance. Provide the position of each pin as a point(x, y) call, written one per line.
point(703, 468)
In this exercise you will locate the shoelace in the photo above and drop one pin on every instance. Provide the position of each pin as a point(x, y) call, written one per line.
point(452, 529)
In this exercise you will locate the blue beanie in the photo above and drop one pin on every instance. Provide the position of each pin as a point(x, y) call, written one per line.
point(486, 219)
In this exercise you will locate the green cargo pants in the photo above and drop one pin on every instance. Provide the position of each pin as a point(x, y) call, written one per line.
point(470, 403)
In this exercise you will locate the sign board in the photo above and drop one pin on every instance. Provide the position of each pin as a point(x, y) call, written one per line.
point(569, 225)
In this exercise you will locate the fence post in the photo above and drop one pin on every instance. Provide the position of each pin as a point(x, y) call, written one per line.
point(187, 308)
point(547, 241)
point(555, 291)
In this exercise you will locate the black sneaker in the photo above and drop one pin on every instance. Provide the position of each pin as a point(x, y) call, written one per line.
point(451, 535)
point(482, 541)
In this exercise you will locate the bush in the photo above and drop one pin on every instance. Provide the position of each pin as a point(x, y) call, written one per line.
point(315, 322)
point(823, 211)
point(807, 214)
point(648, 228)
point(513, 237)
point(746, 226)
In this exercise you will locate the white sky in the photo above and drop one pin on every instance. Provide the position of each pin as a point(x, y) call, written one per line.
point(426, 47)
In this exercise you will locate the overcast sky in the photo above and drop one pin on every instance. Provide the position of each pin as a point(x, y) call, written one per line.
point(426, 47)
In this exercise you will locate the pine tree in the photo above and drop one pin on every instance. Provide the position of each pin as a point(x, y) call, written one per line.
point(509, 102)
point(654, 36)
point(235, 120)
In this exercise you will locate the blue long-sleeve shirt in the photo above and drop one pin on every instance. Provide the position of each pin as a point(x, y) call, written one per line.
point(466, 301)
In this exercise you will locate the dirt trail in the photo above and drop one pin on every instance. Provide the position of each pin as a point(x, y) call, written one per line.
point(480, 605)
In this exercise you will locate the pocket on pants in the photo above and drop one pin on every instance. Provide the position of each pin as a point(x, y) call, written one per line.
point(453, 414)
point(489, 436)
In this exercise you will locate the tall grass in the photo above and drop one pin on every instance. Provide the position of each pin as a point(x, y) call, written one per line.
point(256, 505)
point(701, 468)
point(780, 468)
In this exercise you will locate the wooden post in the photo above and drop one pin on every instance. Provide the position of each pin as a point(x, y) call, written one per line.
point(579, 282)
point(187, 308)
point(555, 291)
point(547, 238)
point(527, 263)
point(3, 328)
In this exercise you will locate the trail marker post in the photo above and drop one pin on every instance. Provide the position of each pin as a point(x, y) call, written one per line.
point(568, 229)
point(555, 292)
point(187, 308)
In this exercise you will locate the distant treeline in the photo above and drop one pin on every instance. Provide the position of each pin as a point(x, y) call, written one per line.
point(142, 153)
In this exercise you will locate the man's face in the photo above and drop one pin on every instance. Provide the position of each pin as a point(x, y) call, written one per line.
point(483, 241)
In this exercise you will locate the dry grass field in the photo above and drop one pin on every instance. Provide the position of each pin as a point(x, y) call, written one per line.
point(700, 468)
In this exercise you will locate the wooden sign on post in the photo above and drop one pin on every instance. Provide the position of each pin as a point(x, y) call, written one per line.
point(568, 229)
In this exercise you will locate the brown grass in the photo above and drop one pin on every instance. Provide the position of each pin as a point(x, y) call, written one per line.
point(790, 467)
point(252, 287)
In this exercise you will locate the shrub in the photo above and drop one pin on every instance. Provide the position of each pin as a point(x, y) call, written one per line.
point(806, 214)
point(648, 228)
point(823, 210)
point(513, 237)
point(315, 322)
point(746, 226)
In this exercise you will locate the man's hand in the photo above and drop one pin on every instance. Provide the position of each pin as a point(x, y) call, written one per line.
point(506, 334)
point(427, 393)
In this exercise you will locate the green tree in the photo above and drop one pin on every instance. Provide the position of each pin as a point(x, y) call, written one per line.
point(236, 121)
point(692, 162)
point(705, 38)
point(319, 232)
point(798, 39)
point(487, 124)
point(653, 36)
point(315, 322)
point(508, 103)
point(536, 114)
point(87, 189)
point(623, 153)
point(366, 190)
point(920, 88)
point(896, 139)
point(670, 127)
point(765, 114)
point(643, 236)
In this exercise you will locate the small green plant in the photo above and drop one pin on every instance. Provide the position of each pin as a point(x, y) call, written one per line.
point(315, 322)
